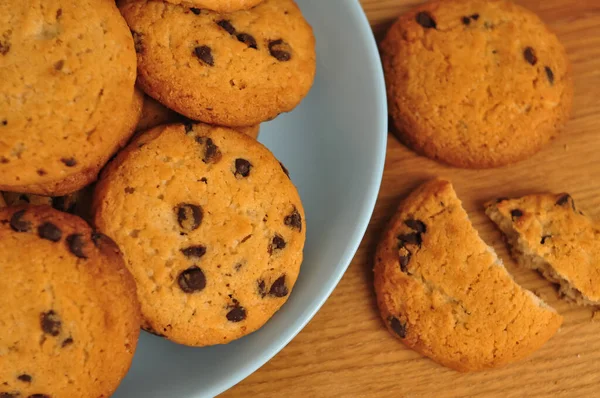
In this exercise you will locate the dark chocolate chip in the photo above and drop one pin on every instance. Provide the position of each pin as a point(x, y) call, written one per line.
point(285, 170)
point(294, 220)
point(237, 314)
point(4, 47)
point(416, 225)
point(242, 167)
point(50, 232)
point(195, 10)
point(563, 200)
point(280, 50)
point(466, 20)
point(475, 17)
point(246, 238)
point(426, 20)
point(247, 39)
point(41, 172)
point(278, 288)
point(4, 160)
point(262, 288)
point(58, 65)
point(404, 256)
point(69, 162)
point(544, 238)
point(50, 323)
point(58, 13)
point(129, 190)
point(66, 342)
point(189, 216)
point(398, 327)
point(204, 180)
point(192, 280)
point(225, 24)
point(138, 42)
point(18, 224)
point(414, 238)
point(529, 55)
point(204, 53)
point(4, 123)
point(212, 154)
point(516, 213)
point(24, 378)
point(277, 243)
point(194, 251)
point(76, 243)
point(549, 74)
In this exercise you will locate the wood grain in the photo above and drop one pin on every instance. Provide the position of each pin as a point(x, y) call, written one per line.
point(345, 350)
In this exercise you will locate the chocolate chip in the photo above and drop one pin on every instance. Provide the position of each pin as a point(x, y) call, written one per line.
point(237, 314)
point(543, 241)
point(246, 238)
point(189, 126)
point(466, 20)
point(194, 251)
point(212, 154)
point(192, 280)
point(18, 224)
point(129, 190)
point(76, 243)
point(204, 53)
point(138, 42)
point(398, 327)
point(4, 47)
point(414, 238)
point(285, 170)
point(41, 172)
point(24, 378)
point(247, 39)
point(67, 342)
point(69, 162)
point(58, 65)
point(58, 13)
point(475, 17)
point(529, 55)
point(294, 220)
point(204, 180)
point(564, 199)
point(280, 50)
point(278, 288)
point(277, 243)
point(50, 323)
point(225, 24)
point(261, 288)
point(404, 256)
point(242, 167)
point(4, 160)
point(195, 10)
point(4, 123)
point(549, 74)
point(426, 20)
point(189, 216)
point(416, 225)
point(516, 213)
point(50, 232)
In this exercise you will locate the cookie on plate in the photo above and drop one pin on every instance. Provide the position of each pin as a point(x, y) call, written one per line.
point(219, 5)
point(445, 293)
point(236, 69)
point(210, 226)
point(68, 98)
point(476, 83)
point(547, 233)
point(69, 315)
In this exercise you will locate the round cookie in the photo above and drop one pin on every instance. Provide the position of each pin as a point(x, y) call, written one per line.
point(444, 292)
point(236, 69)
point(69, 315)
point(476, 83)
point(219, 5)
point(68, 96)
point(211, 228)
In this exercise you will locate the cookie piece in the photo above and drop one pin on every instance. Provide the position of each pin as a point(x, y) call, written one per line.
point(236, 69)
point(547, 233)
point(219, 5)
point(445, 293)
point(69, 318)
point(476, 83)
point(211, 228)
point(67, 96)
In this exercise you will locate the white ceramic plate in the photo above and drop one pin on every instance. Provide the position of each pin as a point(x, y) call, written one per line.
point(334, 146)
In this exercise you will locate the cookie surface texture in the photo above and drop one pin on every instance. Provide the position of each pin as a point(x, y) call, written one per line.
point(444, 293)
point(68, 92)
point(547, 232)
point(235, 69)
point(476, 83)
point(210, 226)
point(69, 318)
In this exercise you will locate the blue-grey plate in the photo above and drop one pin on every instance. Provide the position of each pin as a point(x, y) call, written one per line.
point(334, 146)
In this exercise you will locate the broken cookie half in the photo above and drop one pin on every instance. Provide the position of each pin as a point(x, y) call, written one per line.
point(547, 233)
point(446, 294)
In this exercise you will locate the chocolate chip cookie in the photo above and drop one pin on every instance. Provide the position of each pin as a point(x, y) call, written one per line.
point(211, 228)
point(476, 83)
point(219, 5)
point(69, 315)
point(236, 69)
point(68, 97)
point(547, 232)
point(444, 293)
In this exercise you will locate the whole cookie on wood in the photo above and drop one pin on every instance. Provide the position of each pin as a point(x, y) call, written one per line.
point(235, 69)
point(219, 5)
point(547, 233)
point(445, 293)
point(69, 315)
point(211, 228)
point(476, 83)
point(68, 89)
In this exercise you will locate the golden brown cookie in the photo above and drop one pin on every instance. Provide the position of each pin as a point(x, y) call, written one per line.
point(445, 293)
point(67, 96)
point(476, 83)
point(219, 5)
point(211, 228)
point(69, 315)
point(547, 233)
point(236, 69)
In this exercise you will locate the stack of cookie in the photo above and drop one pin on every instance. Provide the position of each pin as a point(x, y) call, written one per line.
point(198, 230)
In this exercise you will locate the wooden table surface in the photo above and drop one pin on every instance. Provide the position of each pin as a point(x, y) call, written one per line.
point(346, 351)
